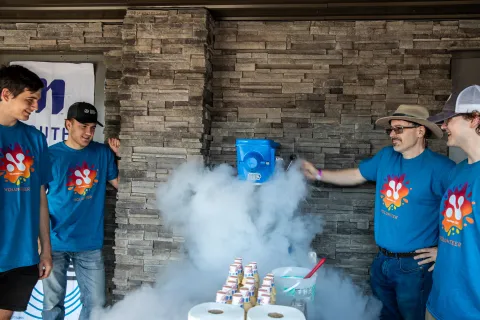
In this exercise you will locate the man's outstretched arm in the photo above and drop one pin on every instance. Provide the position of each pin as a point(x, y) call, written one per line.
point(343, 177)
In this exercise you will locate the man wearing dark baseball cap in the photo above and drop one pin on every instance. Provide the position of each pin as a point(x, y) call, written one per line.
point(456, 293)
point(81, 169)
point(83, 112)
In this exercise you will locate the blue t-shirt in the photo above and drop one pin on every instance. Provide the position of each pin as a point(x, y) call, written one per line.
point(407, 198)
point(76, 196)
point(24, 168)
point(456, 278)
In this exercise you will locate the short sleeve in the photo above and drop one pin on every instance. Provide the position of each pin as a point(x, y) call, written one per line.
point(45, 163)
point(443, 176)
point(112, 170)
point(369, 167)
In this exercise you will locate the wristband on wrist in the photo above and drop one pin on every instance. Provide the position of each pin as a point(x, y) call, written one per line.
point(319, 174)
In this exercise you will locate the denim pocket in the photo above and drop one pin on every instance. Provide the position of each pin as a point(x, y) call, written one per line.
point(410, 265)
point(91, 260)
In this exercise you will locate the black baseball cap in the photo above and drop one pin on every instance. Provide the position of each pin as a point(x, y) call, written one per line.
point(83, 112)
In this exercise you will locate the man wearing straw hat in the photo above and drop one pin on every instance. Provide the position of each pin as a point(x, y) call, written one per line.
point(456, 288)
point(411, 179)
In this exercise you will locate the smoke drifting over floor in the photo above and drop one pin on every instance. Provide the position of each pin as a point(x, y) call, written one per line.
point(222, 218)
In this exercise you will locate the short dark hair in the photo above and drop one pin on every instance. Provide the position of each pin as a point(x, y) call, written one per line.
point(471, 116)
point(16, 79)
point(428, 133)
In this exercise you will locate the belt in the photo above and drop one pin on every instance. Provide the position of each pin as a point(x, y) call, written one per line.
point(397, 254)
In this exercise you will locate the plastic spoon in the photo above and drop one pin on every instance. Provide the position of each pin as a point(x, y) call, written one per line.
point(310, 274)
point(319, 264)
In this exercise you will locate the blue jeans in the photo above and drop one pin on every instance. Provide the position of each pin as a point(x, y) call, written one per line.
point(90, 273)
point(402, 286)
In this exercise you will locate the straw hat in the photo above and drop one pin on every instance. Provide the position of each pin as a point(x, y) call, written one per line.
point(412, 113)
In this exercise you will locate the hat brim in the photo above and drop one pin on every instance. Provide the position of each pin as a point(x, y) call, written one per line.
point(442, 116)
point(101, 125)
point(436, 131)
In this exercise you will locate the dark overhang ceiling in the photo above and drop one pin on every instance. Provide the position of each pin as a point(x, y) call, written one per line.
point(114, 10)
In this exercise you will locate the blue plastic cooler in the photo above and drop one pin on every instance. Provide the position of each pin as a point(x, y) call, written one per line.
point(255, 159)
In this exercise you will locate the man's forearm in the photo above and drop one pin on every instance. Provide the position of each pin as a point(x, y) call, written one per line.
point(344, 177)
point(114, 183)
point(44, 224)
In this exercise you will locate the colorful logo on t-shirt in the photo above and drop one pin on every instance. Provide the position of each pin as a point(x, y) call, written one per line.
point(15, 164)
point(82, 178)
point(394, 192)
point(456, 210)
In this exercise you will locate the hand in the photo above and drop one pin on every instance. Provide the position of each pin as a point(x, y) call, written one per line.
point(114, 144)
point(428, 255)
point(309, 170)
point(45, 266)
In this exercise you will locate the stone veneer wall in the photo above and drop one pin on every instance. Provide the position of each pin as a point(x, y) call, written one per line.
point(185, 87)
point(317, 88)
point(165, 101)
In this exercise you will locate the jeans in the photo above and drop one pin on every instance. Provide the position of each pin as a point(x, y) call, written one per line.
point(402, 286)
point(90, 273)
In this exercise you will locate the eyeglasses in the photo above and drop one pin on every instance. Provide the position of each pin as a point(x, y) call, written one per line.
point(399, 129)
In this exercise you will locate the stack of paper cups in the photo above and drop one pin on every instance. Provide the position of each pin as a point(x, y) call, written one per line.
point(215, 311)
point(270, 312)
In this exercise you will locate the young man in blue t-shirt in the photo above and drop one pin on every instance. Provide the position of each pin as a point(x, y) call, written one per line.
point(411, 180)
point(76, 199)
point(24, 172)
point(456, 279)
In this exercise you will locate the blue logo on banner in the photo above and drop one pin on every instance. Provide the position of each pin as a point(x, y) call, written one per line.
point(58, 96)
point(57, 87)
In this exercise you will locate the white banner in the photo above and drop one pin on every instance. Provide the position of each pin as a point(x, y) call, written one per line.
point(64, 84)
point(72, 303)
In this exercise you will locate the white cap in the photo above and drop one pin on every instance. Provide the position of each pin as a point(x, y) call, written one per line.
point(468, 100)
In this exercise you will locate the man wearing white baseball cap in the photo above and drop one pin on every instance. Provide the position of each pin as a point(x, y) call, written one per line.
point(411, 180)
point(456, 279)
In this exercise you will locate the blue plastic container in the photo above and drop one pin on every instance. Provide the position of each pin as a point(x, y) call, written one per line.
point(255, 159)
